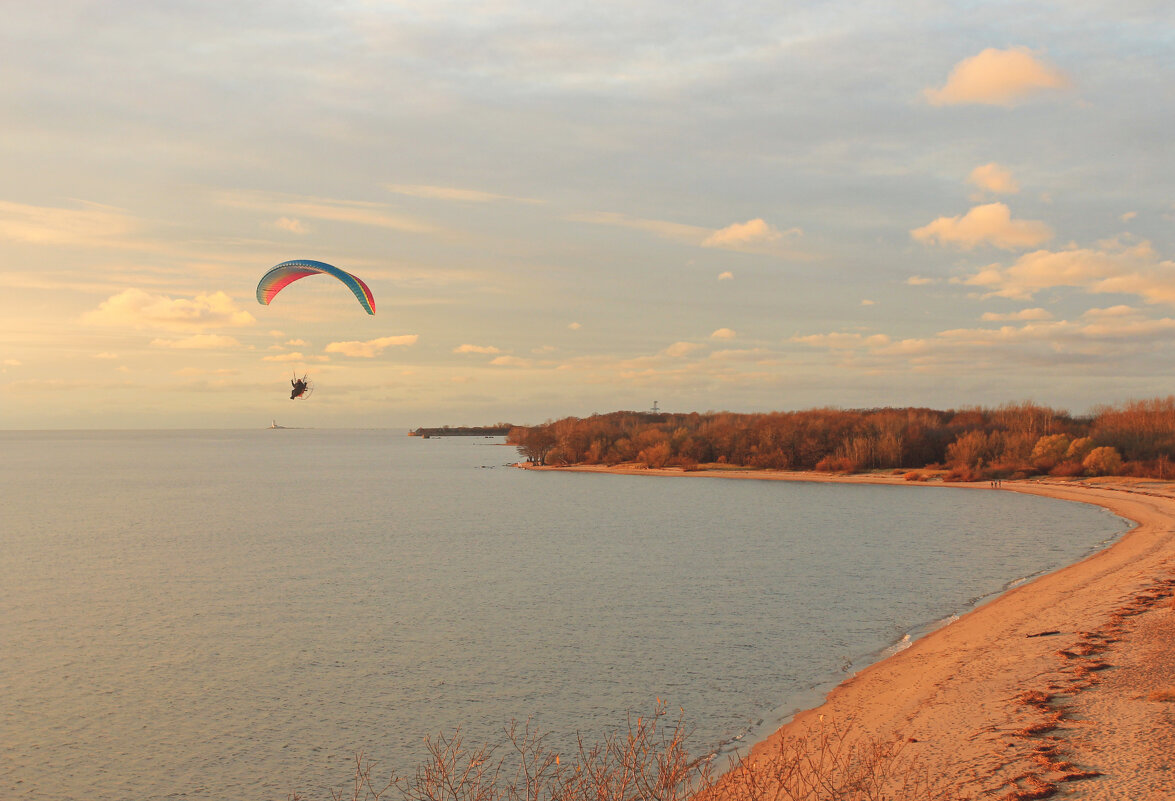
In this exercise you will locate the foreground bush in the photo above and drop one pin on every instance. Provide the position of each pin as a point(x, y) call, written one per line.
point(648, 761)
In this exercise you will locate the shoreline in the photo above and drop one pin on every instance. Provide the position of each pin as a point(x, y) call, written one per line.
point(1062, 685)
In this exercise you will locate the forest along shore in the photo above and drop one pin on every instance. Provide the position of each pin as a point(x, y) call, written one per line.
point(1062, 686)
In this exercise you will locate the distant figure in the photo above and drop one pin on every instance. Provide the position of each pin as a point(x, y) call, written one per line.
point(299, 387)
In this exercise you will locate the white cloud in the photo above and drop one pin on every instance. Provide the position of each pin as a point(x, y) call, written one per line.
point(726, 276)
point(199, 342)
point(723, 333)
point(139, 309)
point(990, 224)
point(476, 349)
point(994, 178)
point(998, 78)
point(372, 347)
point(1023, 314)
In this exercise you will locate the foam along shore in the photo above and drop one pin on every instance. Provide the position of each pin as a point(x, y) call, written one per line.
point(1064, 685)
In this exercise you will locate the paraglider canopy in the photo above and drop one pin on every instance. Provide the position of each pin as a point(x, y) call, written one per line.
point(288, 272)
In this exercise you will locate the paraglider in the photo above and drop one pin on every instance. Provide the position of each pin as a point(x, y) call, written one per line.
point(287, 272)
point(301, 388)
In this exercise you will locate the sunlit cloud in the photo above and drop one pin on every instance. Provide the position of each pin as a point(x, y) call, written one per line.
point(997, 78)
point(136, 308)
point(679, 232)
point(12, 362)
point(511, 361)
point(290, 224)
point(679, 349)
point(994, 178)
point(1128, 216)
point(372, 347)
point(751, 234)
point(1023, 314)
point(105, 355)
point(920, 280)
point(723, 333)
point(296, 343)
point(574, 326)
point(868, 302)
point(188, 372)
point(199, 342)
point(92, 225)
point(726, 276)
point(842, 340)
point(1116, 268)
point(453, 193)
point(355, 212)
point(476, 349)
point(990, 224)
point(285, 357)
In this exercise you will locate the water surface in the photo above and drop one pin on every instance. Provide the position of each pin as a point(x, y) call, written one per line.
point(231, 615)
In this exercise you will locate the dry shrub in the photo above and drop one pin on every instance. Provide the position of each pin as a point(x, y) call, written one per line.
point(648, 761)
point(1162, 695)
point(915, 475)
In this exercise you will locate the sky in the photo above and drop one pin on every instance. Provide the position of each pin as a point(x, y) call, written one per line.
point(566, 208)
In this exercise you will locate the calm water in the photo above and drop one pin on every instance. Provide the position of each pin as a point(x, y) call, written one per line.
point(231, 615)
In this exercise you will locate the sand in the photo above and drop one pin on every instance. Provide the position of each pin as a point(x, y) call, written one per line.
point(1062, 687)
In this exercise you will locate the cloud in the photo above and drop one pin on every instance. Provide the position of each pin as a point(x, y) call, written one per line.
point(139, 309)
point(12, 363)
point(91, 225)
point(753, 236)
point(574, 326)
point(354, 212)
point(285, 357)
point(868, 302)
point(290, 224)
point(997, 78)
point(453, 193)
point(372, 347)
point(726, 276)
point(1132, 269)
point(296, 343)
point(752, 233)
point(476, 349)
point(1128, 216)
point(842, 341)
point(105, 355)
point(511, 361)
point(1023, 314)
point(994, 178)
point(723, 333)
point(679, 349)
point(918, 280)
point(199, 342)
point(195, 371)
point(991, 224)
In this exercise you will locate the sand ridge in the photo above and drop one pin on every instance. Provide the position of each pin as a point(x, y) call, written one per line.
point(1063, 686)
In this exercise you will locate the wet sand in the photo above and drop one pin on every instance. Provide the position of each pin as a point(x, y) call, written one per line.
point(1061, 687)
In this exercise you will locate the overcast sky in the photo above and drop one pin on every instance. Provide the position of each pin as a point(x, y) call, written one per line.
point(576, 207)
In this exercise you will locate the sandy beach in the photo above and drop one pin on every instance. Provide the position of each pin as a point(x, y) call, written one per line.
point(1062, 687)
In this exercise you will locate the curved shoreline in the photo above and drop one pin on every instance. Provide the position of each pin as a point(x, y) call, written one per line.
point(1092, 638)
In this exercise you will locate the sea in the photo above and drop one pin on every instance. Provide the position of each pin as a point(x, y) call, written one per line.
point(237, 614)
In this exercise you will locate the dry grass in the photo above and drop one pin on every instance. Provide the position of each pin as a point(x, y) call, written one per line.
point(648, 761)
point(1162, 695)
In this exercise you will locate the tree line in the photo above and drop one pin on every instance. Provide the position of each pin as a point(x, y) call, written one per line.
point(1015, 440)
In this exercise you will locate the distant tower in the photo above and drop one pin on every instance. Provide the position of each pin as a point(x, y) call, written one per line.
point(655, 409)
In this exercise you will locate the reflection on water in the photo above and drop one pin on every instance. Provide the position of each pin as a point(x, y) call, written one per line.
point(221, 615)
